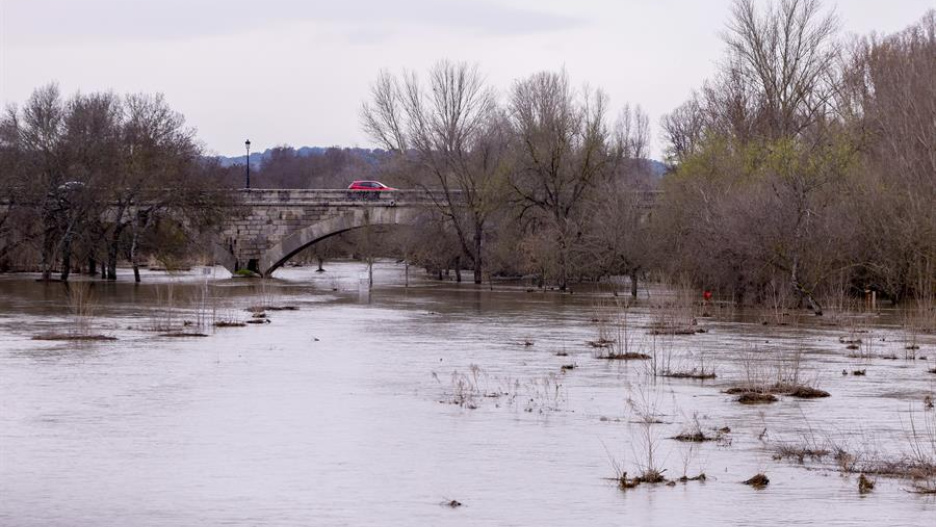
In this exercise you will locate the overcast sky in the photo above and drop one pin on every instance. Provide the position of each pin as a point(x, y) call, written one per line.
point(296, 72)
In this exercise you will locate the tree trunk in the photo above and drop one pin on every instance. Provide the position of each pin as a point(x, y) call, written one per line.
point(801, 291)
point(805, 295)
point(563, 272)
point(66, 260)
point(111, 273)
point(477, 257)
point(46, 263)
point(112, 248)
point(137, 230)
point(133, 256)
point(458, 277)
point(633, 281)
point(563, 261)
point(50, 227)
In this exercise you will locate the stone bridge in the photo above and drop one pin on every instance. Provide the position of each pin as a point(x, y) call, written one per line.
point(272, 225)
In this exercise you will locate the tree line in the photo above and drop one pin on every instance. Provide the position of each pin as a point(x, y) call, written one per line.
point(807, 167)
point(804, 170)
point(99, 178)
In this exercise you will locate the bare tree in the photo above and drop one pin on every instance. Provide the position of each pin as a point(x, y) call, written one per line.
point(683, 129)
point(564, 149)
point(37, 133)
point(891, 90)
point(92, 141)
point(157, 158)
point(449, 131)
point(786, 55)
point(615, 238)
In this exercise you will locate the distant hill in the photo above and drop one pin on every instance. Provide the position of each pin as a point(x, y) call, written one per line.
point(659, 168)
point(257, 158)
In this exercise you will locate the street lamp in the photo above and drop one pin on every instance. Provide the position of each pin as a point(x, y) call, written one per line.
point(247, 144)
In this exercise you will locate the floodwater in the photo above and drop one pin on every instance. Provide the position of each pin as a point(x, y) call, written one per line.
point(381, 408)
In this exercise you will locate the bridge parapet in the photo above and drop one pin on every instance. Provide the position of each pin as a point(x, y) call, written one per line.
point(335, 197)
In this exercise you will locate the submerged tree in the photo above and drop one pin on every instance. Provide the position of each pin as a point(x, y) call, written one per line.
point(448, 133)
point(761, 152)
point(34, 138)
point(564, 150)
point(94, 173)
point(891, 93)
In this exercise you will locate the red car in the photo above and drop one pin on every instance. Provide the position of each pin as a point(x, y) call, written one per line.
point(369, 185)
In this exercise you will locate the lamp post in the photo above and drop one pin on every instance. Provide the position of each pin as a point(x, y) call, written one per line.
point(247, 144)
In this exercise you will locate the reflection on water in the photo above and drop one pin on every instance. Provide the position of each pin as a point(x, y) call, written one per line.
point(339, 413)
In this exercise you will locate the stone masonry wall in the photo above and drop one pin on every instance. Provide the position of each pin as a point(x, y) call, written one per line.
point(265, 217)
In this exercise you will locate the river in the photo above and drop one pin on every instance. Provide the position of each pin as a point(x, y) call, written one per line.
point(389, 407)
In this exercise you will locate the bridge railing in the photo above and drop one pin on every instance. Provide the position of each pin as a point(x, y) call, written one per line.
point(292, 197)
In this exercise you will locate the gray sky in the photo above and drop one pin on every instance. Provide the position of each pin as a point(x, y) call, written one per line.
point(296, 72)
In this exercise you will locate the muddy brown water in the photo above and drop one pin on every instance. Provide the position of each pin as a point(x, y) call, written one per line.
point(343, 411)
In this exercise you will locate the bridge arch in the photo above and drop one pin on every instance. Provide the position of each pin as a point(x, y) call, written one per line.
point(278, 254)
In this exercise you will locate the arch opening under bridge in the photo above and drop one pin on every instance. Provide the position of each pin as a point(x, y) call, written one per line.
point(278, 254)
